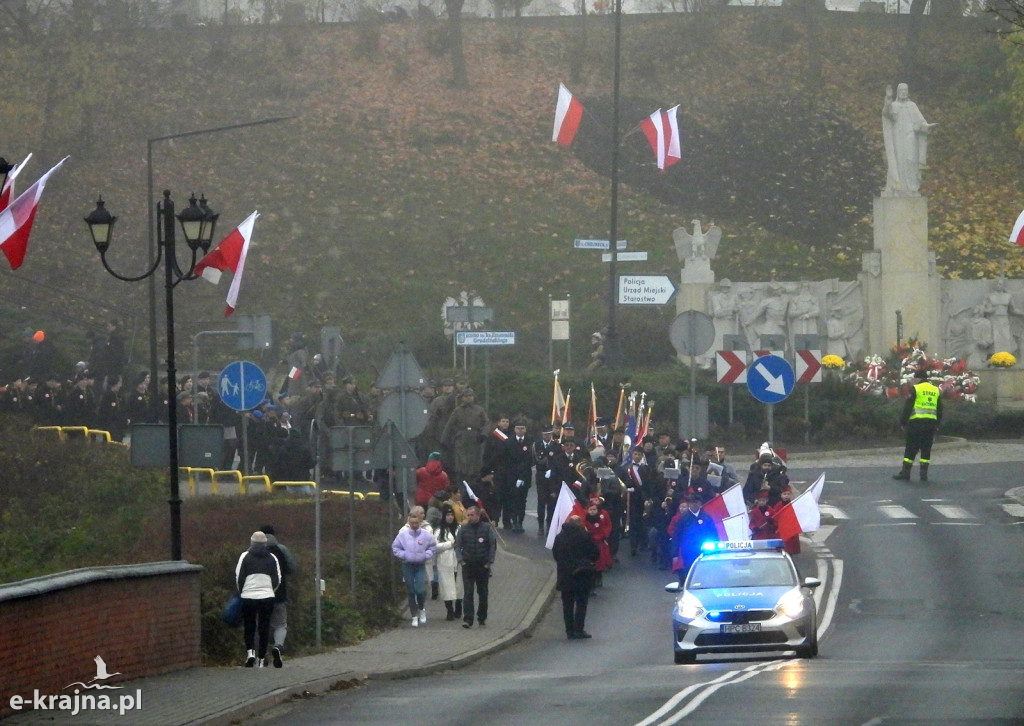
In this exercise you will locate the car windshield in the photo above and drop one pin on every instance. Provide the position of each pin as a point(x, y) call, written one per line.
point(747, 572)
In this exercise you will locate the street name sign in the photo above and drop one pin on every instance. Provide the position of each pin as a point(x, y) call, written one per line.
point(485, 337)
point(770, 379)
point(597, 244)
point(625, 257)
point(645, 289)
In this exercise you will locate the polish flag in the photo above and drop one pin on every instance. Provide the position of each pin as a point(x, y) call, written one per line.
point(294, 373)
point(568, 112)
point(727, 504)
point(477, 501)
point(1017, 235)
point(736, 527)
point(566, 506)
point(662, 131)
point(8, 191)
point(229, 255)
point(17, 219)
point(802, 514)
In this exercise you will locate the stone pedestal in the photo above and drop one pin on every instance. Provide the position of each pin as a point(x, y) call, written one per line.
point(695, 279)
point(907, 281)
point(1002, 386)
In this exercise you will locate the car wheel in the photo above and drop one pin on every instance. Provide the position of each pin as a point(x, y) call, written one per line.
point(685, 656)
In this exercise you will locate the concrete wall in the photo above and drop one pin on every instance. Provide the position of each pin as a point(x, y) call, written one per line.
point(141, 619)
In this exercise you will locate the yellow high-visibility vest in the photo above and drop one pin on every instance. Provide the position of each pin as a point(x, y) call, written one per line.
point(926, 401)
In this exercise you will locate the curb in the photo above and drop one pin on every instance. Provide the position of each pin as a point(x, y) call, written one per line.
point(952, 444)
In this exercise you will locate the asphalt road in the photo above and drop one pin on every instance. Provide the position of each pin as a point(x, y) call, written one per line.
point(920, 620)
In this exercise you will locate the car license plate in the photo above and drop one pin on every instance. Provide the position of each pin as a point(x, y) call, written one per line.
point(731, 628)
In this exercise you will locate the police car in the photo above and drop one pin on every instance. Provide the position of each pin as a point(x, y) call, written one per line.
point(744, 596)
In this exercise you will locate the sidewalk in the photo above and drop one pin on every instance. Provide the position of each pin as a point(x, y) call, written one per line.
point(520, 589)
point(522, 585)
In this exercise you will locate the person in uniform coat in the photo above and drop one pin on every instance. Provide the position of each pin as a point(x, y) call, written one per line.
point(521, 447)
point(496, 472)
point(464, 435)
point(639, 480)
point(690, 529)
point(547, 489)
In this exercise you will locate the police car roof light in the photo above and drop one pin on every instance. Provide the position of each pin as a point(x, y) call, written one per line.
point(748, 544)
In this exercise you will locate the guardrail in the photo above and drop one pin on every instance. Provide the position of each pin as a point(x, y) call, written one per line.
point(82, 433)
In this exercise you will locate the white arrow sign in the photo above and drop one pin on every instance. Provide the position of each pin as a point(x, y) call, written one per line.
point(775, 383)
point(645, 289)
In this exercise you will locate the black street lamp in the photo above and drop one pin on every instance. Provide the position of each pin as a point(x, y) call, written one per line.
point(197, 224)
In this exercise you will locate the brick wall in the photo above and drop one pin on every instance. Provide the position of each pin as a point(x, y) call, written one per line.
point(141, 619)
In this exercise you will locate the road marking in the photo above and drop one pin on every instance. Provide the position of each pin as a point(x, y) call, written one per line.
point(1014, 509)
point(951, 511)
point(895, 511)
point(834, 512)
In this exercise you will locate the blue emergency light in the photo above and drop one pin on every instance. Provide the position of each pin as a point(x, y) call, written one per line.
point(747, 544)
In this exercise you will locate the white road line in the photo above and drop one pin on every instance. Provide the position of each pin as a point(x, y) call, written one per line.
point(835, 512)
point(1014, 509)
point(951, 511)
point(895, 511)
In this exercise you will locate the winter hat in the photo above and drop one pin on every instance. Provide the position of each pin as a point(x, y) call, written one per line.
point(434, 456)
point(258, 538)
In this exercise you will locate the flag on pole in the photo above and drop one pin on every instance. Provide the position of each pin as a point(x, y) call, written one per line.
point(662, 131)
point(568, 113)
point(229, 255)
point(736, 527)
point(727, 504)
point(567, 410)
point(476, 500)
point(557, 401)
point(566, 506)
point(592, 420)
point(1017, 235)
point(802, 514)
point(8, 191)
point(17, 219)
point(618, 408)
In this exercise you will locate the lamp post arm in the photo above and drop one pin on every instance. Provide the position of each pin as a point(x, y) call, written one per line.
point(148, 273)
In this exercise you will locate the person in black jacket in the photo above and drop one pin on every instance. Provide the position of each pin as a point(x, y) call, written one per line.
point(575, 554)
point(279, 617)
point(475, 547)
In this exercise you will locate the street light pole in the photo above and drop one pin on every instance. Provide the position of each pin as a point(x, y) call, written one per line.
point(197, 225)
point(153, 382)
point(611, 336)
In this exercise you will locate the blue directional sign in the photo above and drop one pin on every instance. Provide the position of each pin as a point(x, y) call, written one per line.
point(770, 379)
point(242, 385)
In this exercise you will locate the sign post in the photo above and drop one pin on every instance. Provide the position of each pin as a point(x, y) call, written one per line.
point(692, 333)
point(242, 386)
point(487, 339)
point(646, 290)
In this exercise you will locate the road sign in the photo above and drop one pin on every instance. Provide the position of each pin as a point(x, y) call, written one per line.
point(808, 366)
point(645, 290)
point(763, 352)
point(392, 450)
point(770, 379)
point(416, 413)
point(597, 244)
point(401, 371)
point(692, 333)
point(731, 366)
point(242, 385)
point(485, 337)
point(625, 257)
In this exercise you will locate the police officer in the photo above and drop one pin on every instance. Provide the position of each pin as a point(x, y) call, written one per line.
point(921, 416)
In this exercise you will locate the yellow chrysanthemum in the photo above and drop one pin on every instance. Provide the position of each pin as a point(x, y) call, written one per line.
point(833, 362)
point(1002, 360)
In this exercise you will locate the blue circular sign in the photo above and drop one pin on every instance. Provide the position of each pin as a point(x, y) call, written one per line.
point(242, 385)
point(770, 379)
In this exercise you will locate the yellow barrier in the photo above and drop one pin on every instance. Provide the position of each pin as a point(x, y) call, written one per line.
point(75, 431)
point(51, 429)
point(233, 475)
point(373, 495)
point(341, 492)
point(191, 472)
point(243, 488)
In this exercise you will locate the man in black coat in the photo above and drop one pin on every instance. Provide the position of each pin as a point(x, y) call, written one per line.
point(575, 554)
point(521, 452)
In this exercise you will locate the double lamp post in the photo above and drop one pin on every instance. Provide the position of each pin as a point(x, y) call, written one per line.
point(197, 224)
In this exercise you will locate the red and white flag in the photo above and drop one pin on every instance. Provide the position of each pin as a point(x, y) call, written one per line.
point(8, 191)
point(229, 255)
point(17, 219)
point(802, 514)
point(1017, 235)
point(566, 506)
point(294, 373)
point(727, 504)
point(736, 528)
point(568, 112)
point(500, 434)
point(662, 131)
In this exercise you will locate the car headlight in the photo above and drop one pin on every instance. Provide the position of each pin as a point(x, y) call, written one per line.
point(690, 608)
point(792, 604)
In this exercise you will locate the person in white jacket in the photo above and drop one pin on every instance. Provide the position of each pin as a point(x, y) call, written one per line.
point(257, 577)
point(414, 546)
point(447, 565)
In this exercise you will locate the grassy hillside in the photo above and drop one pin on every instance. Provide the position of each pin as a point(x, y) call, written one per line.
point(390, 191)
